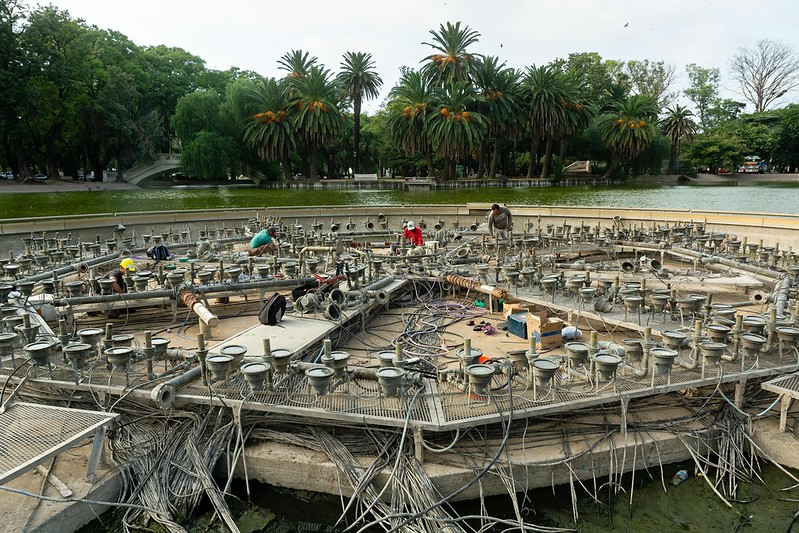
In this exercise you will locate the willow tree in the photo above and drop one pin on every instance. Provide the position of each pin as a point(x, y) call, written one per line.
point(359, 80)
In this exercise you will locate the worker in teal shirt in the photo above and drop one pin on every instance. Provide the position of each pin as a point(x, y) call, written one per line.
point(263, 242)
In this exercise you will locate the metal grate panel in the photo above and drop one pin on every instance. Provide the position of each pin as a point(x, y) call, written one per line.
point(31, 433)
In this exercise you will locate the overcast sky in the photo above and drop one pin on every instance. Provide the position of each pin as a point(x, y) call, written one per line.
point(252, 34)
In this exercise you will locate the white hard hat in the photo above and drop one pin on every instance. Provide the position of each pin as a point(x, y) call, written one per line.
point(410, 225)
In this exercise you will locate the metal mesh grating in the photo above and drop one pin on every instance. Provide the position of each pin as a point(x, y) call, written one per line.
point(30, 433)
point(441, 406)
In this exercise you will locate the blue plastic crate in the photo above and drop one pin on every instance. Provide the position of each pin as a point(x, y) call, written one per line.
point(517, 324)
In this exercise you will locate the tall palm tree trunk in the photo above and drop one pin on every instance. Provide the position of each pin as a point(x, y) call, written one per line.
point(673, 156)
point(481, 163)
point(614, 164)
point(356, 164)
point(428, 155)
point(532, 167)
point(547, 159)
point(492, 173)
point(285, 164)
point(312, 153)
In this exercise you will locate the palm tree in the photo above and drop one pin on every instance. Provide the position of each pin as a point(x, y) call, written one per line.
point(677, 124)
point(500, 103)
point(297, 63)
point(359, 80)
point(578, 114)
point(318, 118)
point(544, 95)
point(412, 103)
point(271, 130)
point(455, 130)
point(451, 62)
point(628, 129)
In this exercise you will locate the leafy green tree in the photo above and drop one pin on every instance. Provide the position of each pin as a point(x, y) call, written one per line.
point(318, 118)
point(168, 74)
point(714, 150)
point(628, 130)
point(723, 110)
point(786, 149)
point(359, 80)
point(271, 131)
point(58, 57)
point(595, 77)
point(703, 90)
point(652, 78)
point(766, 73)
point(413, 102)
point(677, 125)
point(452, 61)
point(14, 74)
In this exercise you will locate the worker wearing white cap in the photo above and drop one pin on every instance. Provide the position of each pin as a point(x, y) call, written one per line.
point(412, 233)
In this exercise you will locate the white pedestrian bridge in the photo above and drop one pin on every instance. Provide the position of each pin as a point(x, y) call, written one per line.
point(142, 173)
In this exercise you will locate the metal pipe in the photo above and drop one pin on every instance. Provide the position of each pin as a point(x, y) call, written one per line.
point(270, 284)
point(710, 260)
point(69, 269)
point(164, 394)
point(116, 297)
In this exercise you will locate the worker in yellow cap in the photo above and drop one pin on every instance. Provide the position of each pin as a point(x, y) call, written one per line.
point(118, 275)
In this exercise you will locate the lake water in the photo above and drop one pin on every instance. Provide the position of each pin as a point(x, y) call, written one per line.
point(772, 197)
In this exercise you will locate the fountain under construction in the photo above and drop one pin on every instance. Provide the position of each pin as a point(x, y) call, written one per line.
point(591, 343)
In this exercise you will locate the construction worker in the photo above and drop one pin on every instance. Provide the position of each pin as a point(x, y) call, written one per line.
point(118, 274)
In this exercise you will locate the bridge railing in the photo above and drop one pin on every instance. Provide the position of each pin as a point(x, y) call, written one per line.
point(578, 167)
point(163, 160)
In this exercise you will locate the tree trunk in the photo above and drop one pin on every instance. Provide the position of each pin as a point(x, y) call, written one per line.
point(50, 156)
point(564, 149)
point(331, 165)
point(481, 163)
point(357, 137)
point(492, 173)
point(312, 152)
point(614, 164)
point(672, 157)
point(547, 159)
point(285, 164)
point(532, 167)
point(447, 168)
point(428, 155)
point(23, 170)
